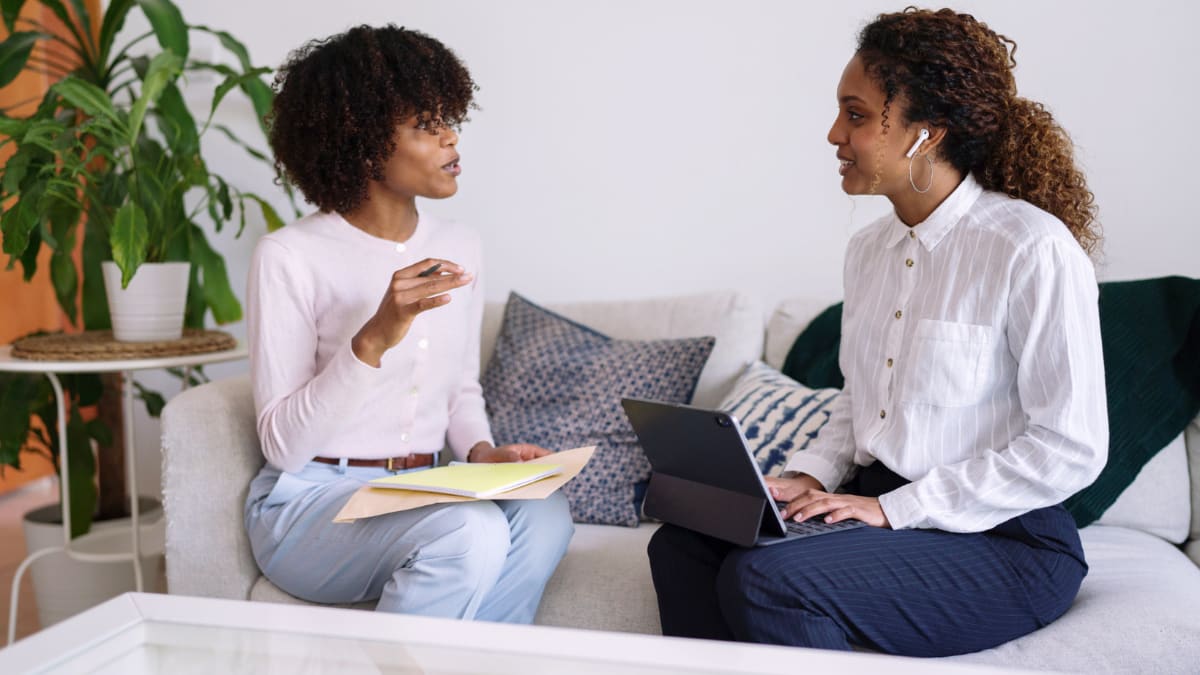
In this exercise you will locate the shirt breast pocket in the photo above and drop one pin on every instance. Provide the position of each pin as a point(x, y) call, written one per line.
point(950, 364)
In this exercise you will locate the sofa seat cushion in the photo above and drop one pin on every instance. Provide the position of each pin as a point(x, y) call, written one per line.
point(1136, 612)
point(265, 591)
point(603, 583)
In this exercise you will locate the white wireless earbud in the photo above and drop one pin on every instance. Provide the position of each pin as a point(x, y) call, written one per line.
point(921, 138)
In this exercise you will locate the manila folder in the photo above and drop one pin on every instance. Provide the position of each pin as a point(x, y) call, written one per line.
point(371, 501)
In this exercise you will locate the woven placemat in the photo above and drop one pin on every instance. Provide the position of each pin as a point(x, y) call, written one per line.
point(99, 345)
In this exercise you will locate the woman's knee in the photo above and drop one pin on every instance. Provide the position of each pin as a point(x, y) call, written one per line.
point(474, 533)
point(544, 524)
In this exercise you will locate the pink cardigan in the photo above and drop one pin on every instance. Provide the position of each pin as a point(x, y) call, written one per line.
point(312, 286)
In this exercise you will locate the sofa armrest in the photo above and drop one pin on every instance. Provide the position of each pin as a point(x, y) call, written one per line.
point(210, 454)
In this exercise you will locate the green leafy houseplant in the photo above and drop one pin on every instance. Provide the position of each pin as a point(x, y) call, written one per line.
point(113, 145)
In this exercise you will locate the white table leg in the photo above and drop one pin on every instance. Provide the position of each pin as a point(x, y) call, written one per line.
point(131, 468)
point(64, 495)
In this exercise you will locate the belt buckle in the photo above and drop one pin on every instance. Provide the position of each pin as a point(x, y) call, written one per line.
point(390, 460)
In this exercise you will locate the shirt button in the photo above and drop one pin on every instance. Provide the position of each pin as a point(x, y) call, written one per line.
point(882, 414)
point(889, 363)
point(908, 263)
point(899, 314)
point(423, 343)
point(413, 391)
point(401, 248)
point(403, 438)
point(912, 235)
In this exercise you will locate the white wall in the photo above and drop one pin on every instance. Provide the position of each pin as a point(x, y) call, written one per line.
point(657, 147)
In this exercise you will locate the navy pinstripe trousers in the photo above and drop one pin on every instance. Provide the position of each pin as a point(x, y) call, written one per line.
point(910, 592)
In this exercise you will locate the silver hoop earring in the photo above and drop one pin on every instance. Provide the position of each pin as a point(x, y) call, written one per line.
point(910, 178)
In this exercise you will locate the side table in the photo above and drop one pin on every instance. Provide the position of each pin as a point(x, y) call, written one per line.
point(125, 366)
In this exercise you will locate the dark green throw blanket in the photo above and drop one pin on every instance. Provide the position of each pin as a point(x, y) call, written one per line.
point(1150, 329)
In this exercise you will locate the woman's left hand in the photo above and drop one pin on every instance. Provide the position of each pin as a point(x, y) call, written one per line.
point(514, 452)
point(839, 507)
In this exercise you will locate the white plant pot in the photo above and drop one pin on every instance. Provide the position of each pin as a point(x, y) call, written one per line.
point(65, 587)
point(151, 307)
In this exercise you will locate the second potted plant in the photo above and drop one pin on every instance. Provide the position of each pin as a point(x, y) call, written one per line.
point(110, 163)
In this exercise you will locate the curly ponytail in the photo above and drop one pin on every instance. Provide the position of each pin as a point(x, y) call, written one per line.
point(956, 73)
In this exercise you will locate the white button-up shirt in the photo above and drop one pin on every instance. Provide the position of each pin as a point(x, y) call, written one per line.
point(973, 364)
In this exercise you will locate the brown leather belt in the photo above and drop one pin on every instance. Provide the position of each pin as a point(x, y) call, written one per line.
point(414, 461)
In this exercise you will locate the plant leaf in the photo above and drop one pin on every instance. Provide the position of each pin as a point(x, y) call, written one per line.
point(129, 239)
point(99, 432)
point(256, 90)
point(14, 54)
point(84, 17)
point(218, 293)
point(223, 198)
point(231, 81)
point(89, 98)
point(16, 406)
point(14, 171)
point(154, 401)
point(12, 127)
point(176, 121)
point(164, 68)
point(82, 474)
point(168, 25)
point(274, 222)
point(95, 249)
point(65, 279)
point(11, 9)
point(111, 24)
point(85, 388)
point(19, 220)
point(30, 256)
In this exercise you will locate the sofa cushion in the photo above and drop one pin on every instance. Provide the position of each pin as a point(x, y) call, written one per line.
point(603, 583)
point(734, 319)
point(1158, 500)
point(787, 321)
point(778, 415)
point(1135, 613)
point(559, 384)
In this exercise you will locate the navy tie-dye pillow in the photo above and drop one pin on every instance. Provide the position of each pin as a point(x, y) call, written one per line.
point(778, 415)
point(559, 384)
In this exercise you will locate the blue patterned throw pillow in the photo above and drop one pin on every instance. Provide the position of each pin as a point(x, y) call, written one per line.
point(559, 384)
point(779, 415)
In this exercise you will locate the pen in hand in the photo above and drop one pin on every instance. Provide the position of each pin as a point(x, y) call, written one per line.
point(430, 271)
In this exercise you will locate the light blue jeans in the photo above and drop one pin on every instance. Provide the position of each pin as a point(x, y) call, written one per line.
point(470, 560)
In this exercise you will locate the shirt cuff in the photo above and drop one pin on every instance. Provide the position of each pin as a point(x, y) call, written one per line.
point(902, 507)
point(816, 466)
point(464, 434)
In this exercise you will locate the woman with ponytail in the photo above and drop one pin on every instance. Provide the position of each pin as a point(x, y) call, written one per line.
point(974, 399)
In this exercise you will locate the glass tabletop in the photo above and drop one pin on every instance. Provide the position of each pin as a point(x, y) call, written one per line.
point(138, 633)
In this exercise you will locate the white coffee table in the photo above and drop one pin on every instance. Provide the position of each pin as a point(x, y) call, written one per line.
point(149, 633)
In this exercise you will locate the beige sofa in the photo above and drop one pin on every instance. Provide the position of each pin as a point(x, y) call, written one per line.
point(1138, 610)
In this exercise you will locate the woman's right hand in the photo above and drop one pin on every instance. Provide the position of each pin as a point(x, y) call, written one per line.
point(787, 489)
point(407, 295)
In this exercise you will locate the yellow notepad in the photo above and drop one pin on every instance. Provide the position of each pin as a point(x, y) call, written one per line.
point(470, 480)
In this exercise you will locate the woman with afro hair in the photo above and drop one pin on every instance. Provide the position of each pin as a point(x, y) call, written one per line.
point(364, 329)
point(974, 398)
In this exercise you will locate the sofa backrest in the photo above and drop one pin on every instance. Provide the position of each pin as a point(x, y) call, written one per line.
point(734, 319)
